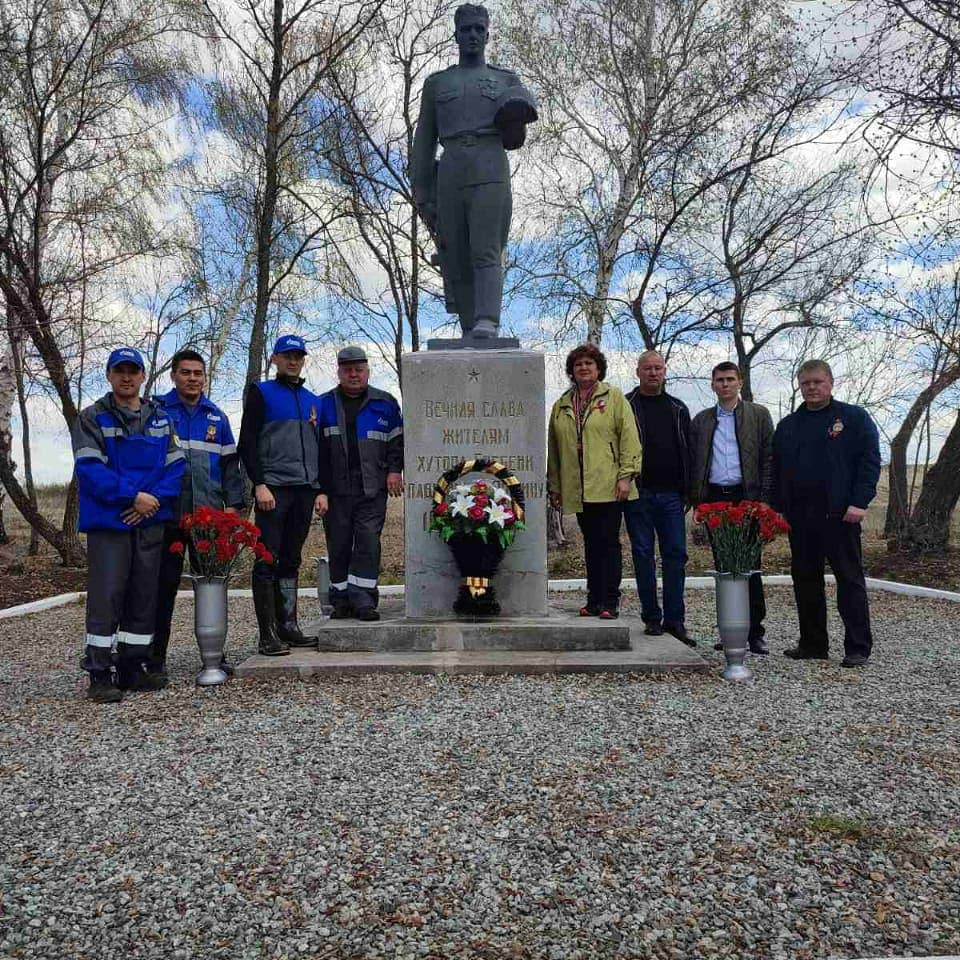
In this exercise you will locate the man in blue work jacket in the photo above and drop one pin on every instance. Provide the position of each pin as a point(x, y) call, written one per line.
point(280, 452)
point(361, 461)
point(212, 479)
point(129, 470)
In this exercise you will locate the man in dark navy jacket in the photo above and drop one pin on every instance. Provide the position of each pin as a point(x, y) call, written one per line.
point(826, 466)
point(212, 479)
point(129, 468)
point(361, 461)
point(279, 449)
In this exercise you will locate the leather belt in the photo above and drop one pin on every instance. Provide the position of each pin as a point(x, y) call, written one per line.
point(732, 488)
point(469, 139)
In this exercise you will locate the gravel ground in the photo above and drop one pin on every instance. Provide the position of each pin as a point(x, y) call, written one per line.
point(812, 813)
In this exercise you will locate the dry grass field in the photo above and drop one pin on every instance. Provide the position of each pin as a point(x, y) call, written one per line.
point(26, 578)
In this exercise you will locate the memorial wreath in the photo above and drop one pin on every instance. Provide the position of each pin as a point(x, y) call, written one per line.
point(478, 521)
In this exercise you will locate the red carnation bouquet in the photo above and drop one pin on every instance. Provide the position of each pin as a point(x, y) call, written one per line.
point(219, 538)
point(737, 532)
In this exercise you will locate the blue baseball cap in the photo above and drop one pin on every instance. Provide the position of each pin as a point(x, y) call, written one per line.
point(125, 355)
point(288, 342)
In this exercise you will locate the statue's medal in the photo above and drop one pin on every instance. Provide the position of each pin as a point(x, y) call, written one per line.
point(489, 87)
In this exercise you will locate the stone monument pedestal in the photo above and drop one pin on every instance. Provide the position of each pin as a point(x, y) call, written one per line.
point(461, 405)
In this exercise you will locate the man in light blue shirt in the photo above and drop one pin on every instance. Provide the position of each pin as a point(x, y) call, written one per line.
point(725, 460)
point(732, 451)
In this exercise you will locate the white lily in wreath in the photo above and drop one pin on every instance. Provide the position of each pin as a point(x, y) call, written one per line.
point(462, 489)
point(497, 514)
point(461, 505)
point(501, 495)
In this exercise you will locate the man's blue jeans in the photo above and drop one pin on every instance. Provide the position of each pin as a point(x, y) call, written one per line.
point(661, 514)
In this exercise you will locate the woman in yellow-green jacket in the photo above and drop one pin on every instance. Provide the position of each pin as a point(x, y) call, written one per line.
point(593, 454)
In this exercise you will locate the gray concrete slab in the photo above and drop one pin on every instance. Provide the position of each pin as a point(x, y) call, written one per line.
point(645, 655)
point(395, 633)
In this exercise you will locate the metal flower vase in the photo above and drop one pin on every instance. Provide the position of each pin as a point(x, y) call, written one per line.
point(733, 622)
point(210, 626)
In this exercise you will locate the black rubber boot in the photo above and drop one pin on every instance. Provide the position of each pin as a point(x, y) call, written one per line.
point(270, 644)
point(288, 628)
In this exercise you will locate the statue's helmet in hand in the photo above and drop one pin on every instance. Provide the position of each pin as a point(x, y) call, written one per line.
point(516, 107)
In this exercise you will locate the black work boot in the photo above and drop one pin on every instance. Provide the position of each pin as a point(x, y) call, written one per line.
point(156, 663)
point(133, 675)
point(270, 644)
point(102, 688)
point(288, 628)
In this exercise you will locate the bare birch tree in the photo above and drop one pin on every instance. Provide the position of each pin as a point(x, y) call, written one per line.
point(648, 105)
point(267, 100)
point(78, 159)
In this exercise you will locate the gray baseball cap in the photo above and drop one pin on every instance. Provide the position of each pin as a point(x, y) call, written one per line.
point(351, 355)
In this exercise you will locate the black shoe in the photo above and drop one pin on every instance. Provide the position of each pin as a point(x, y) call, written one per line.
point(653, 628)
point(135, 678)
point(611, 614)
point(795, 653)
point(287, 627)
point(103, 689)
point(341, 613)
point(589, 610)
point(367, 613)
point(855, 660)
point(679, 631)
point(227, 668)
point(759, 645)
point(269, 643)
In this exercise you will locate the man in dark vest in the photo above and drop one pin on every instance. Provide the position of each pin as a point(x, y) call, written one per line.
point(280, 451)
point(826, 464)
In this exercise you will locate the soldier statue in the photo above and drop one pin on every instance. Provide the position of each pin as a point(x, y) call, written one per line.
point(476, 111)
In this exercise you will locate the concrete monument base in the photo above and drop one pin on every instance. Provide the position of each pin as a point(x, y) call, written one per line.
point(561, 642)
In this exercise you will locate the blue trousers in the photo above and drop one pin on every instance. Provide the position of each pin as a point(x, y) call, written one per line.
point(659, 515)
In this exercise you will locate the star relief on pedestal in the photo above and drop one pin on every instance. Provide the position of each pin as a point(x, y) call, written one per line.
point(474, 375)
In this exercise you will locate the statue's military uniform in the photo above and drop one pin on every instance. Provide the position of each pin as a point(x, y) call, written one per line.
point(470, 186)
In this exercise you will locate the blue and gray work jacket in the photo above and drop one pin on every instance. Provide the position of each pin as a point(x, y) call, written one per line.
point(212, 477)
point(278, 434)
point(379, 438)
point(119, 453)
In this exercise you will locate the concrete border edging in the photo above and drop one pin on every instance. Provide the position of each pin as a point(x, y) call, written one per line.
point(557, 586)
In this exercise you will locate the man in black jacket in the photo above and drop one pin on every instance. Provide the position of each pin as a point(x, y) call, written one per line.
point(826, 466)
point(731, 447)
point(664, 426)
